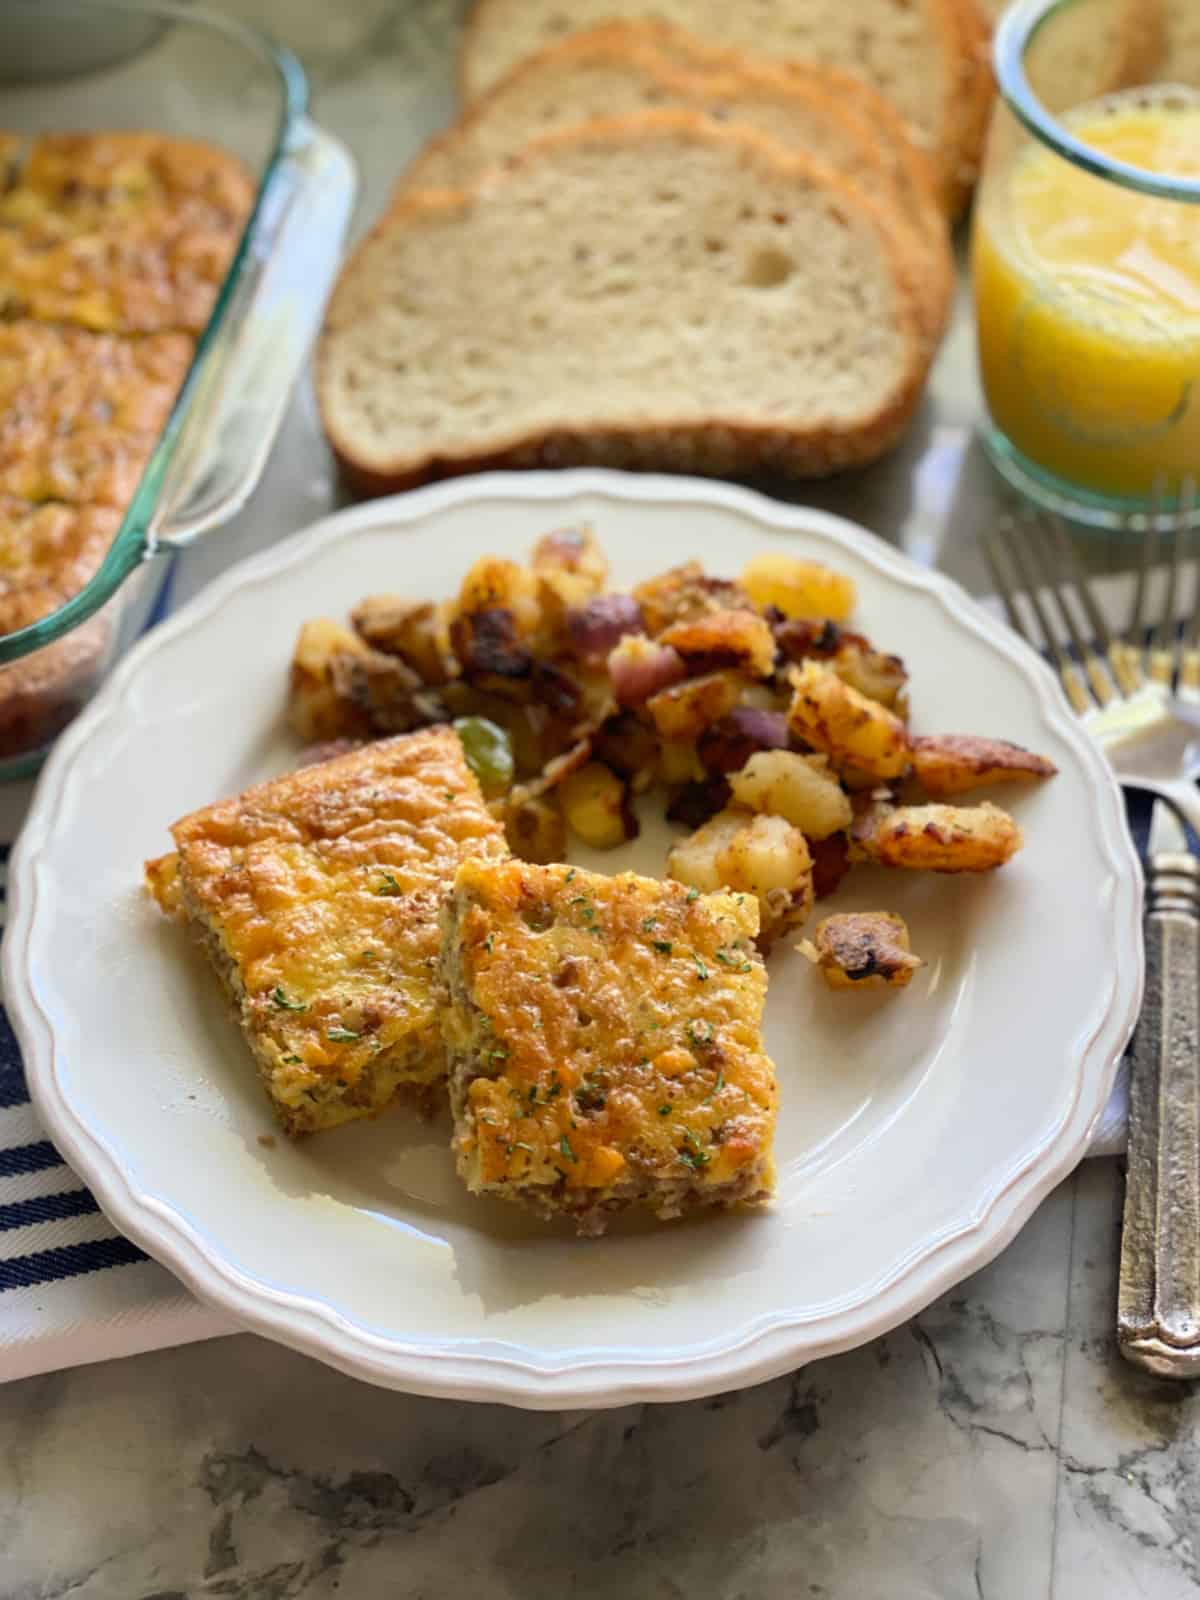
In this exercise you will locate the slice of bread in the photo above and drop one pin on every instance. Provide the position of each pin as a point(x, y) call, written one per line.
point(651, 291)
point(628, 67)
point(914, 54)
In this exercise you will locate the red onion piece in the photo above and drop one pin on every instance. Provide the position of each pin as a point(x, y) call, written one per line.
point(595, 627)
point(638, 669)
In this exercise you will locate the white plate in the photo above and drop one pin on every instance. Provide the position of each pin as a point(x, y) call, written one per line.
point(916, 1134)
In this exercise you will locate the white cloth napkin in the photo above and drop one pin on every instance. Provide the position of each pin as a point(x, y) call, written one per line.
point(71, 1289)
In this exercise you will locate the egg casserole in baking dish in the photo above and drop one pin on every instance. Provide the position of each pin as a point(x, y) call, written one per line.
point(604, 1042)
point(113, 247)
point(317, 899)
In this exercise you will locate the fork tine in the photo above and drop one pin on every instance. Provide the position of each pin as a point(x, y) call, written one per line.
point(1113, 649)
point(1189, 661)
point(1098, 679)
point(1004, 588)
point(1007, 535)
point(1165, 641)
point(1135, 636)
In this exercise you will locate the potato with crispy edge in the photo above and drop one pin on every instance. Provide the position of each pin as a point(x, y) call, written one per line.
point(340, 688)
point(683, 712)
point(763, 856)
point(595, 803)
point(799, 788)
point(862, 950)
point(937, 838)
point(953, 763)
point(798, 588)
point(842, 723)
point(727, 638)
point(534, 829)
point(416, 631)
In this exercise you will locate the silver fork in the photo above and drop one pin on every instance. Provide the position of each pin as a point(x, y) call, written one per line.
point(1137, 692)
point(1139, 696)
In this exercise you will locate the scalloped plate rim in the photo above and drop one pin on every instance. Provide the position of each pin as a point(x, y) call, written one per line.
point(759, 1352)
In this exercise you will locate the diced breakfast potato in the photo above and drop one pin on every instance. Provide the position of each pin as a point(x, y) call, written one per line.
point(880, 677)
point(955, 763)
point(862, 950)
point(679, 762)
point(728, 638)
point(316, 709)
point(798, 788)
point(798, 588)
point(847, 727)
point(535, 829)
point(595, 803)
point(938, 838)
point(683, 593)
point(417, 632)
point(684, 711)
point(494, 584)
point(759, 855)
point(575, 552)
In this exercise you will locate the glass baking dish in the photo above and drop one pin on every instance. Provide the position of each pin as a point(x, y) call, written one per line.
point(200, 75)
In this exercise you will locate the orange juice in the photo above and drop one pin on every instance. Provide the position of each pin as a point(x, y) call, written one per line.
point(1087, 301)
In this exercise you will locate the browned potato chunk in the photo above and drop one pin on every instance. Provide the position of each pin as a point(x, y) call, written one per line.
point(799, 788)
point(855, 660)
point(416, 631)
point(684, 711)
point(763, 856)
point(683, 593)
point(679, 762)
point(949, 763)
point(732, 638)
point(798, 588)
point(595, 803)
point(535, 829)
point(862, 950)
point(494, 584)
point(576, 553)
point(316, 709)
point(847, 727)
point(938, 838)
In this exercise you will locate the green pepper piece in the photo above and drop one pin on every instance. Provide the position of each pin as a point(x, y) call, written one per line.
point(488, 752)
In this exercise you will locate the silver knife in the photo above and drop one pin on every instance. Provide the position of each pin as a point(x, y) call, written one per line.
point(1158, 1311)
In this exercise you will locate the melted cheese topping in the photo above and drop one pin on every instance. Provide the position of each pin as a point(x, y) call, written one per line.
point(321, 892)
point(123, 233)
point(616, 1022)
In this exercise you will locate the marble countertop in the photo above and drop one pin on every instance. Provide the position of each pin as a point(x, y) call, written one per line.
point(995, 1448)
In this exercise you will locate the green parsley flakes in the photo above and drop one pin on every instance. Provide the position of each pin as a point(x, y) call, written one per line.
point(342, 1035)
point(702, 972)
point(389, 884)
point(284, 1004)
point(564, 1144)
point(663, 946)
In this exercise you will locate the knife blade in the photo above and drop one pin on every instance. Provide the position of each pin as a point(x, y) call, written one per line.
point(1158, 1315)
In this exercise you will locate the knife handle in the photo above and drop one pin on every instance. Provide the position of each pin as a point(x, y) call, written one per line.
point(1158, 1313)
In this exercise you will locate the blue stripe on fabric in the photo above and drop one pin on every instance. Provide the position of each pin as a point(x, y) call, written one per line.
point(12, 1072)
point(25, 1158)
point(47, 1208)
point(68, 1261)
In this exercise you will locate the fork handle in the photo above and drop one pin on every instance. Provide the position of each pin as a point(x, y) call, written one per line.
point(1158, 1314)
